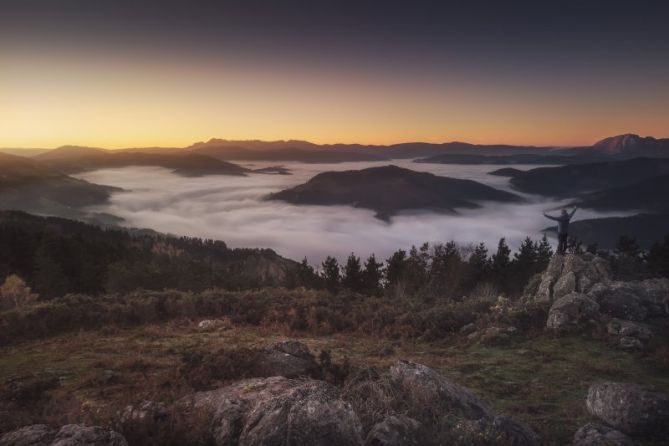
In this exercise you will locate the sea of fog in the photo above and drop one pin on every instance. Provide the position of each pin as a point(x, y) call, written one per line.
point(234, 209)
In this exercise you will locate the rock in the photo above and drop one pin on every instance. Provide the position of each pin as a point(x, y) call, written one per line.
point(571, 310)
point(630, 408)
point(214, 324)
point(146, 411)
point(619, 302)
point(631, 329)
point(225, 408)
point(309, 414)
point(593, 434)
point(386, 351)
point(275, 410)
point(68, 435)
point(571, 273)
point(395, 431)
point(427, 388)
point(564, 285)
point(289, 358)
point(431, 395)
point(468, 328)
point(629, 343)
point(34, 435)
point(496, 336)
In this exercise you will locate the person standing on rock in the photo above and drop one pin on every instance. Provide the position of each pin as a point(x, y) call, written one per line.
point(563, 228)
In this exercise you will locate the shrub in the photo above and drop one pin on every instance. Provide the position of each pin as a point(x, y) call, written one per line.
point(14, 293)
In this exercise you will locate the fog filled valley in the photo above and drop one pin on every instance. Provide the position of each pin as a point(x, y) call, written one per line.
point(236, 210)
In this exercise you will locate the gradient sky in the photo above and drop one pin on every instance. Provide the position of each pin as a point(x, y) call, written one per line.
point(136, 73)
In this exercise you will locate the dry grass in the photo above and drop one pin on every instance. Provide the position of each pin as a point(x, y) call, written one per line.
point(91, 376)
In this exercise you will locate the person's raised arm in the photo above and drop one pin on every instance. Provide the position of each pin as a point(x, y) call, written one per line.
point(551, 217)
point(572, 212)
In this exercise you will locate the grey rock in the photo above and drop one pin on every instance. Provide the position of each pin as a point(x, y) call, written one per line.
point(34, 435)
point(395, 431)
point(619, 302)
point(564, 285)
point(593, 434)
point(571, 310)
point(631, 329)
point(289, 358)
point(225, 408)
point(146, 411)
point(309, 414)
point(468, 328)
point(629, 343)
point(425, 387)
point(68, 435)
point(630, 408)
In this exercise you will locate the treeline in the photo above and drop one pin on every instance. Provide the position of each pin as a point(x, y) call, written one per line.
point(56, 256)
point(439, 270)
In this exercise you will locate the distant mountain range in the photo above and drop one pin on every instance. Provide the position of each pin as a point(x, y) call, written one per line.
point(616, 147)
point(390, 189)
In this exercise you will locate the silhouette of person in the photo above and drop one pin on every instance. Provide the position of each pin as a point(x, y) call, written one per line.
point(563, 228)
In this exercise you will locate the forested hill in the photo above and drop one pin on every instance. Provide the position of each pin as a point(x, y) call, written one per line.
point(57, 256)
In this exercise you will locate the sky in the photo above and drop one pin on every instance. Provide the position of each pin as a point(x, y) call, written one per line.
point(147, 73)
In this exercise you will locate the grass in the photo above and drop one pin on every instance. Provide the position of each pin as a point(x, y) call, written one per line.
point(541, 380)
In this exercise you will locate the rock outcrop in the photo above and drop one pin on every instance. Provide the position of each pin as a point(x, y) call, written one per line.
point(429, 393)
point(630, 408)
point(593, 434)
point(276, 410)
point(570, 310)
point(581, 289)
point(68, 435)
point(571, 273)
point(288, 358)
point(395, 431)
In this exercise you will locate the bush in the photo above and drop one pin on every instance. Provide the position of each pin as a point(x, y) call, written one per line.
point(14, 293)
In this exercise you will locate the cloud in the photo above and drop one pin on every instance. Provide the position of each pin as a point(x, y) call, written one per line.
point(233, 209)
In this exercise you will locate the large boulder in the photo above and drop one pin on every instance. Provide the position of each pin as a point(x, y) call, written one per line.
point(427, 388)
point(593, 434)
point(396, 431)
point(311, 413)
point(288, 358)
point(571, 310)
point(570, 273)
point(68, 435)
point(630, 408)
point(430, 395)
point(634, 300)
point(275, 410)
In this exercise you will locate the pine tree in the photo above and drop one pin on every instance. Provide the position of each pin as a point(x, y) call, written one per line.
point(500, 264)
point(331, 273)
point(353, 274)
point(396, 268)
point(372, 276)
point(479, 262)
point(544, 253)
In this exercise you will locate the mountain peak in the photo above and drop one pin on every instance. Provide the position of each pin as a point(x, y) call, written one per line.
point(627, 142)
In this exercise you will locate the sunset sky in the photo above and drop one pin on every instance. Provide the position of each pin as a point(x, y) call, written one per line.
point(143, 73)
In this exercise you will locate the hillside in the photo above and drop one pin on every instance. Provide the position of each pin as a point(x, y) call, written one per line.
point(190, 164)
point(649, 195)
point(390, 189)
point(575, 180)
point(28, 185)
point(58, 256)
point(605, 232)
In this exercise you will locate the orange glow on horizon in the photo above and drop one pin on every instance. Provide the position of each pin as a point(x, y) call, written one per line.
point(64, 99)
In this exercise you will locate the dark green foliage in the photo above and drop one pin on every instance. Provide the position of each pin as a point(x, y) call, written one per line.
point(331, 273)
point(658, 258)
point(56, 256)
point(353, 275)
point(372, 277)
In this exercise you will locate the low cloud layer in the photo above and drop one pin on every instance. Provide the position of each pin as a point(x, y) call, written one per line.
point(233, 209)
